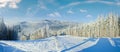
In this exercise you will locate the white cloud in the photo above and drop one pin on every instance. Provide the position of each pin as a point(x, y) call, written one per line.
point(71, 4)
point(90, 1)
point(51, 15)
point(70, 12)
point(106, 2)
point(41, 4)
point(117, 3)
point(31, 11)
point(89, 16)
point(74, 3)
point(13, 5)
point(55, 14)
point(83, 10)
point(2, 5)
point(9, 3)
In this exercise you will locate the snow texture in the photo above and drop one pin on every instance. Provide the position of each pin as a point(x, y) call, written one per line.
point(54, 44)
point(111, 42)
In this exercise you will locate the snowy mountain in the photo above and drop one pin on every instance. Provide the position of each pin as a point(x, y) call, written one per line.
point(53, 24)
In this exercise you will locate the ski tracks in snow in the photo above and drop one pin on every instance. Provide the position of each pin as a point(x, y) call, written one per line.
point(111, 42)
point(88, 43)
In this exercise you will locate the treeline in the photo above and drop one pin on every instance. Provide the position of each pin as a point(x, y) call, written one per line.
point(6, 32)
point(104, 26)
point(108, 26)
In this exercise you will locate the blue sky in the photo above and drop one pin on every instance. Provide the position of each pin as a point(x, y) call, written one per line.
point(67, 10)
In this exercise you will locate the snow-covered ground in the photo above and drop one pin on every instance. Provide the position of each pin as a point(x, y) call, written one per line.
point(57, 44)
point(65, 43)
point(116, 41)
point(84, 46)
point(111, 42)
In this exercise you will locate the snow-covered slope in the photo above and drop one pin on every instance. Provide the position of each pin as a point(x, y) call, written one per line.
point(54, 44)
point(51, 23)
